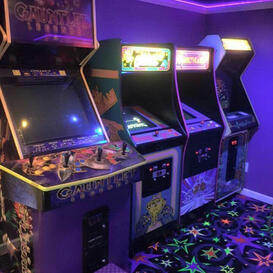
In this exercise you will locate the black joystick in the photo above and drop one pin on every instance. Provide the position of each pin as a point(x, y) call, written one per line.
point(31, 159)
point(124, 147)
point(66, 159)
point(99, 154)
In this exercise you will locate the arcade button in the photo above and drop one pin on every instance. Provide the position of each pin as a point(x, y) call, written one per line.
point(38, 172)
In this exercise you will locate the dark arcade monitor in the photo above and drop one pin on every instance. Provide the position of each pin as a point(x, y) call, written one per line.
point(50, 116)
point(137, 122)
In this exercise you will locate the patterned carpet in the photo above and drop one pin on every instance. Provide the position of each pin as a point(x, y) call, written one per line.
point(231, 237)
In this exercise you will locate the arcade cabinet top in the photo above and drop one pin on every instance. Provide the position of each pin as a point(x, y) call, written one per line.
point(232, 56)
point(46, 33)
point(195, 83)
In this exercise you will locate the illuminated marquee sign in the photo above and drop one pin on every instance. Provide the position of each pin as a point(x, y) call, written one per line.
point(145, 59)
point(192, 60)
point(236, 44)
point(52, 22)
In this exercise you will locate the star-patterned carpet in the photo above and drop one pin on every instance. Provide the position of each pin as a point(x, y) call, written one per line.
point(232, 236)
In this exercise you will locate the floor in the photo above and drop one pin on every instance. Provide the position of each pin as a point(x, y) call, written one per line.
point(233, 236)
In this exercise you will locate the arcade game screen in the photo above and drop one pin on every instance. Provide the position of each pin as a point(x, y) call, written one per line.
point(135, 58)
point(136, 122)
point(51, 111)
point(188, 116)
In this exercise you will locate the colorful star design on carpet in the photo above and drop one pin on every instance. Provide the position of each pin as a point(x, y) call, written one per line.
point(192, 267)
point(181, 245)
point(221, 205)
point(225, 221)
point(166, 250)
point(166, 263)
point(233, 203)
point(210, 253)
point(195, 232)
point(268, 244)
point(206, 224)
point(216, 240)
point(143, 258)
point(243, 241)
point(252, 219)
point(227, 269)
point(262, 260)
point(233, 213)
point(267, 228)
point(154, 246)
point(259, 208)
point(248, 230)
point(228, 250)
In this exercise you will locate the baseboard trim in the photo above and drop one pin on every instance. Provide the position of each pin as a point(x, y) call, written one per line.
point(256, 195)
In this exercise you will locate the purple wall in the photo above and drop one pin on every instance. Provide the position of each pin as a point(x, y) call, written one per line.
point(258, 81)
point(140, 22)
point(136, 21)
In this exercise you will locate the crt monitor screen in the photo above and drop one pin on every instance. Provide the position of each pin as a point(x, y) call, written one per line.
point(136, 122)
point(43, 112)
point(188, 116)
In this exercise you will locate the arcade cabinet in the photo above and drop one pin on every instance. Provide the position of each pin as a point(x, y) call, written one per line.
point(69, 187)
point(195, 83)
point(138, 92)
point(231, 59)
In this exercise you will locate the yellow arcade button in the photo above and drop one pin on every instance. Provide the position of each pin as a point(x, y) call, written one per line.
point(37, 172)
point(52, 166)
point(45, 168)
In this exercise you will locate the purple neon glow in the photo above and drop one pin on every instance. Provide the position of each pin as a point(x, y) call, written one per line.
point(63, 37)
point(220, 5)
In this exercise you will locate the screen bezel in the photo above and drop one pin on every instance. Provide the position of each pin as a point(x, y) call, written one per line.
point(23, 149)
point(192, 68)
point(145, 70)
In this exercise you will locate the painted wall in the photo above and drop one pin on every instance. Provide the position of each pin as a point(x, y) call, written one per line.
point(136, 21)
point(258, 81)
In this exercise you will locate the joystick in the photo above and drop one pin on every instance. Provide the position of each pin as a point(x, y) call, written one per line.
point(124, 147)
point(99, 154)
point(66, 157)
point(31, 159)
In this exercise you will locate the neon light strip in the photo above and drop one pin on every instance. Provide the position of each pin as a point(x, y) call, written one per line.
point(220, 5)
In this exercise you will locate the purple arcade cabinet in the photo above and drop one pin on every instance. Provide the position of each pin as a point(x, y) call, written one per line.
point(197, 94)
point(65, 184)
point(231, 59)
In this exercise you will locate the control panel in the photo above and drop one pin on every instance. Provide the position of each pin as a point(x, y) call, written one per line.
point(155, 136)
point(203, 154)
point(158, 177)
point(203, 126)
point(49, 181)
point(240, 121)
point(95, 240)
